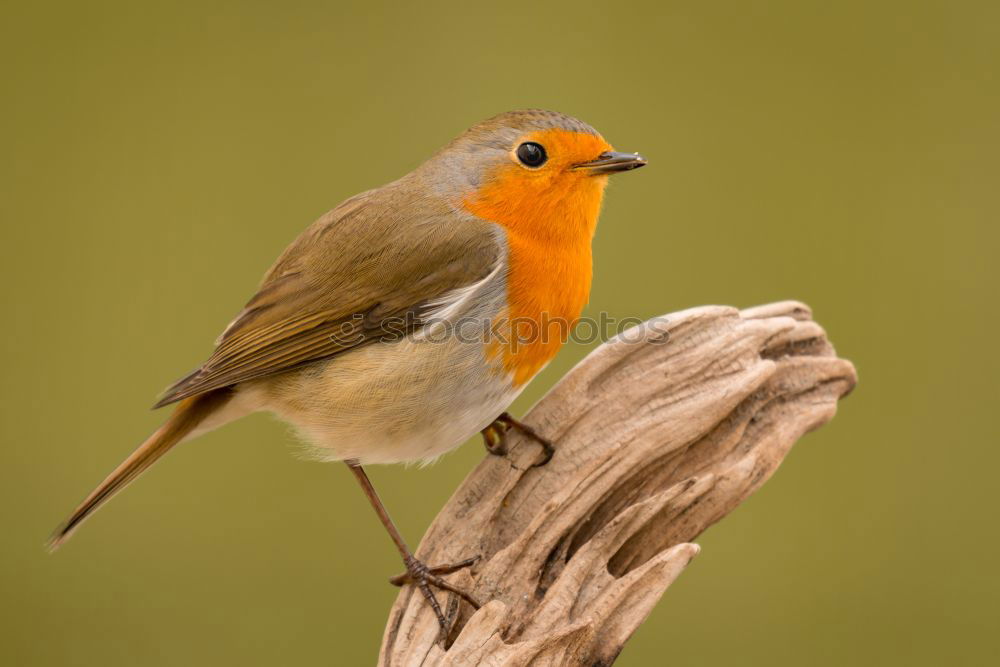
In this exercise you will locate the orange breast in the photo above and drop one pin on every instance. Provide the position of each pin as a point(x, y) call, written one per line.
point(549, 217)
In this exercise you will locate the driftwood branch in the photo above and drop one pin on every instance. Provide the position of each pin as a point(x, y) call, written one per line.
point(659, 433)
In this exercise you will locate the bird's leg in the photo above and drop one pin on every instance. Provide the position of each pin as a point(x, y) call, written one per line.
point(495, 437)
point(416, 572)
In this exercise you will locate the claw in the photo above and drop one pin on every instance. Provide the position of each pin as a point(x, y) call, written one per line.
point(424, 578)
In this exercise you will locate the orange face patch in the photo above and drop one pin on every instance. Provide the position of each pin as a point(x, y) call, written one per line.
point(550, 214)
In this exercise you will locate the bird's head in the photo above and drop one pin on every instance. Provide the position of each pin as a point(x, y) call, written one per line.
point(539, 173)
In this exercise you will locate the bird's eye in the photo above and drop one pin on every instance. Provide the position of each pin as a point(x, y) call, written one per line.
point(531, 154)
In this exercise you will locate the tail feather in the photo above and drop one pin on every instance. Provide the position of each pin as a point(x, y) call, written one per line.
point(186, 417)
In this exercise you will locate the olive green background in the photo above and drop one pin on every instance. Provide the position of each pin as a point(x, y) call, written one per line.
point(157, 156)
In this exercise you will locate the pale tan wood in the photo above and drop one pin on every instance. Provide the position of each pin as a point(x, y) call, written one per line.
point(660, 433)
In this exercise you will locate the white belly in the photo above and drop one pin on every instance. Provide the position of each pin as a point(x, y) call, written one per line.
point(410, 400)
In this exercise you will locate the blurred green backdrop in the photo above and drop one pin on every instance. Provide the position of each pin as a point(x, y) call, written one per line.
point(158, 156)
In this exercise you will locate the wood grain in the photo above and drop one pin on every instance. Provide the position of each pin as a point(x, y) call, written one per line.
point(660, 432)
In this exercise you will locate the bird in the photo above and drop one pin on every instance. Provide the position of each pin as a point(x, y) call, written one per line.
point(392, 329)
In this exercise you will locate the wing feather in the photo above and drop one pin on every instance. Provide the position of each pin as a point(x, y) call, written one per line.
point(377, 258)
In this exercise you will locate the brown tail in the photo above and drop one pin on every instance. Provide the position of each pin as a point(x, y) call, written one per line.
point(186, 417)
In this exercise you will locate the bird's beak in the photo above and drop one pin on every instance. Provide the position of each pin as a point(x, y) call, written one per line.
point(611, 162)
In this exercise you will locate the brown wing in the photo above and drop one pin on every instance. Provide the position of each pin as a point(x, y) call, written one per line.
point(365, 271)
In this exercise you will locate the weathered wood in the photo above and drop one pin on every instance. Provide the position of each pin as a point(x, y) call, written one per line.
point(660, 433)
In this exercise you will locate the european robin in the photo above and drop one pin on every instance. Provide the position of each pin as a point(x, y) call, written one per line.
point(359, 334)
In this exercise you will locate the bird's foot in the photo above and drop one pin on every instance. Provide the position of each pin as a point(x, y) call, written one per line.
point(495, 437)
point(424, 577)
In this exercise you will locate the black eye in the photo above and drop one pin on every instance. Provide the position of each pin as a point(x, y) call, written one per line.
point(531, 154)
